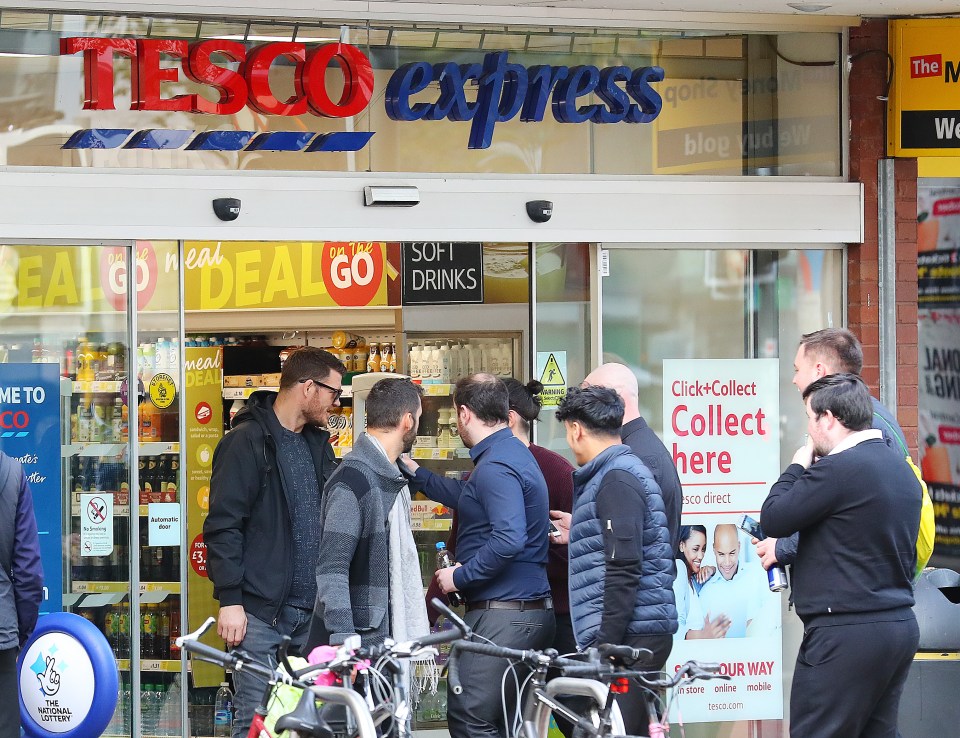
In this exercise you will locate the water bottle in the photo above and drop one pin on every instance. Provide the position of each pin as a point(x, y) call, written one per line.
point(149, 709)
point(223, 712)
point(444, 560)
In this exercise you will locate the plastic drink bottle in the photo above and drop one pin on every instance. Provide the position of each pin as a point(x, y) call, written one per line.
point(445, 560)
point(223, 712)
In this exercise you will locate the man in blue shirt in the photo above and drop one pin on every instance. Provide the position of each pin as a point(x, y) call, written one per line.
point(502, 543)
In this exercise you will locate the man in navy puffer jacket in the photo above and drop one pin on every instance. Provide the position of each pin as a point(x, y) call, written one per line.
point(621, 558)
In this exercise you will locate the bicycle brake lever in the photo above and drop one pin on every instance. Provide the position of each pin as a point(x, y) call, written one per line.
point(195, 636)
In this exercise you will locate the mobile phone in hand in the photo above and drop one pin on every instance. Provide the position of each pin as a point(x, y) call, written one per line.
point(750, 526)
point(554, 530)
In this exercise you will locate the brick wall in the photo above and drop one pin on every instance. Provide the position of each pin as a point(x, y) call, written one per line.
point(867, 146)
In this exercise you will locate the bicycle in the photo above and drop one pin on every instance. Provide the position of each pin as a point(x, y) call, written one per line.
point(601, 679)
point(364, 715)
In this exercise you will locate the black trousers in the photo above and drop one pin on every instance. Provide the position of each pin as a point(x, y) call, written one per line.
point(478, 711)
point(9, 690)
point(564, 643)
point(633, 704)
point(849, 679)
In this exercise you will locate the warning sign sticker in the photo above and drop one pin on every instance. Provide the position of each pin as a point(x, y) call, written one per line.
point(552, 369)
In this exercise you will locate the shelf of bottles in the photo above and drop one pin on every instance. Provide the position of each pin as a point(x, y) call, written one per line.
point(98, 423)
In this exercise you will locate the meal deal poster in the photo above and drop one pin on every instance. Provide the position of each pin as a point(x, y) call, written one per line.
point(203, 408)
point(231, 275)
point(722, 430)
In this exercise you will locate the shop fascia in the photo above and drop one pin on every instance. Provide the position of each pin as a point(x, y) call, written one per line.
point(504, 90)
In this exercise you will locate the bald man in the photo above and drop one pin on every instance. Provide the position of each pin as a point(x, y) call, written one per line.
point(736, 589)
point(641, 439)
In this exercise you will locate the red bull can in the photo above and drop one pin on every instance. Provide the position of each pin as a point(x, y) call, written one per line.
point(777, 578)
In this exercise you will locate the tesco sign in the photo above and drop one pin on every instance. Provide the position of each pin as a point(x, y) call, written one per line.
point(249, 86)
point(484, 93)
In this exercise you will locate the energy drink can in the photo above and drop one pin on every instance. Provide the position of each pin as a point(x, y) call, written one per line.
point(777, 578)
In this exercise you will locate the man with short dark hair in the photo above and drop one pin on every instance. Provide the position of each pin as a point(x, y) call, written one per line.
point(21, 584)
point(368, 574)
point(502, 542)
point(263, 529)
point(858, 509)
point(821, 353)
point(621, 555)
point(641, 439)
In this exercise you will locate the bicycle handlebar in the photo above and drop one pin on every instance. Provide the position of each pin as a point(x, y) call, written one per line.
point(604, 670)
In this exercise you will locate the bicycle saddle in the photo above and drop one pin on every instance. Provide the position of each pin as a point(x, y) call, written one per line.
point(305, 719)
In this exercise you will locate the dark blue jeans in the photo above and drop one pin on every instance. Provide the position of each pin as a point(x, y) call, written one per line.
point(261, 641)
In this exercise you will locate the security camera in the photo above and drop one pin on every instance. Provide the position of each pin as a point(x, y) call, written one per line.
point(226, 208)
point(540, 211)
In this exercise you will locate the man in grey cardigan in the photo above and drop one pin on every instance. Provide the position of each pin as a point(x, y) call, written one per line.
point(368, 575)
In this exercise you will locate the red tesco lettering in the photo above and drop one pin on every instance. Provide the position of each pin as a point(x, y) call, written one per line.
point(249, 85)
point(14, 419)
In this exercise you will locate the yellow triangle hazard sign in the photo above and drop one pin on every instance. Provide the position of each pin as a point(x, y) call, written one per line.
point(552, 376)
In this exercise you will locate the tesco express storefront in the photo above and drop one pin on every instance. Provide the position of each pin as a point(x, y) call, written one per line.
point(697, 173)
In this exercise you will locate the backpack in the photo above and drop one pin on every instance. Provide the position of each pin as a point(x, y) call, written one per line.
point(928, 527)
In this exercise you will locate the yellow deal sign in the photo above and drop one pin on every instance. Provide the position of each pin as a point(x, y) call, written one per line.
point(224, 275)
point(924, 106)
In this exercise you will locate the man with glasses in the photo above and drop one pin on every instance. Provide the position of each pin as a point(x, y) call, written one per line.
point(263, 529)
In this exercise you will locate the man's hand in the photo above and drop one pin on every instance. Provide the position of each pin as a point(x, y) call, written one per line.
point(715, 628)
point(407, 464)
point(445, 579)
point(804, 454)
point(232, 624)
point(767, 551)
point(561, 519)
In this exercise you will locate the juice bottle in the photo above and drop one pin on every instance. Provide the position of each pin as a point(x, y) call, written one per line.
point(935, 464)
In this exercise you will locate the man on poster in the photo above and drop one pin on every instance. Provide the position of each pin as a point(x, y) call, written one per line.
point(858, 507)
point(737, 590)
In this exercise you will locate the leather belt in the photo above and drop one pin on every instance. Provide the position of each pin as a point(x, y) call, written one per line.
point(522, 605)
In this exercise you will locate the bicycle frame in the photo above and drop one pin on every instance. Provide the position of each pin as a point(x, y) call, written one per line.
point(541, 703)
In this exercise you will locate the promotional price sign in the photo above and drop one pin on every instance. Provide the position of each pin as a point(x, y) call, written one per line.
point(722, 421)
point(30, 433)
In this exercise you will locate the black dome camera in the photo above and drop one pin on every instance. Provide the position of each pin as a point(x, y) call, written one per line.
point(226, 208)
point(540, 211)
